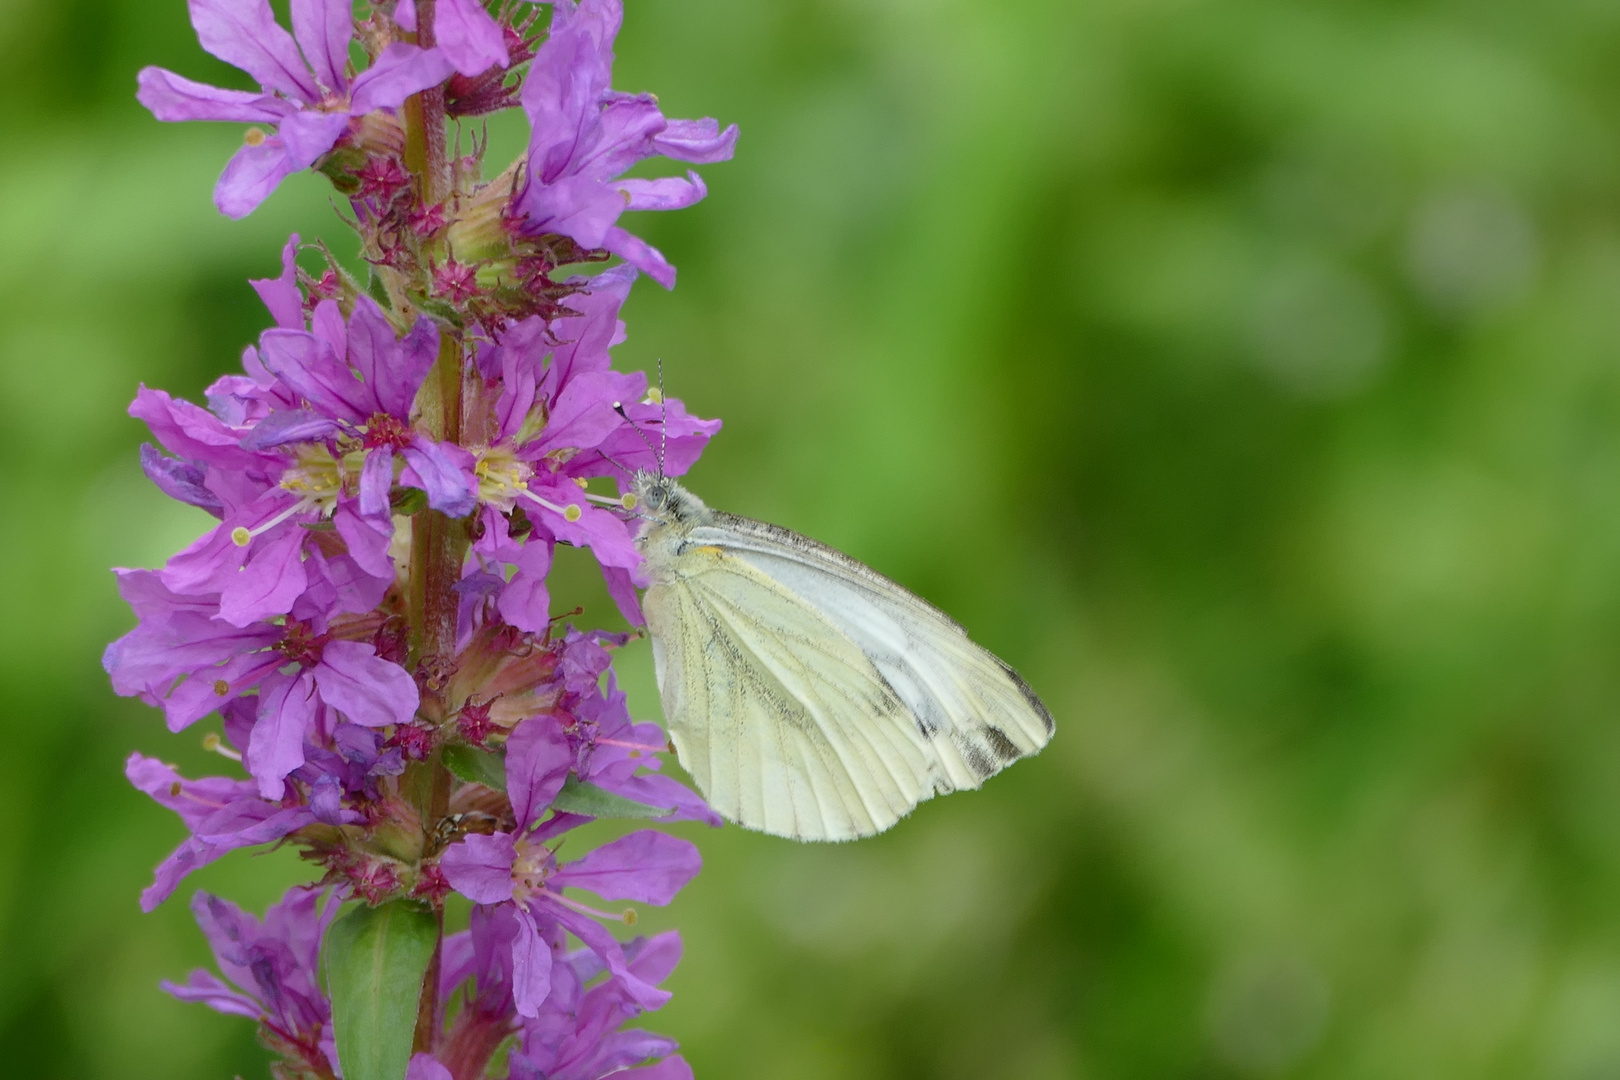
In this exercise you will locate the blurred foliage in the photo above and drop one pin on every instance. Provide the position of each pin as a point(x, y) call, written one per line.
point(1246, 372)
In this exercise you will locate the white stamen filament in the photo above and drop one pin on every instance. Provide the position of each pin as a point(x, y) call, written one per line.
point(213, 742)
point(242, 537)
point(571, 512)
point(627, 916)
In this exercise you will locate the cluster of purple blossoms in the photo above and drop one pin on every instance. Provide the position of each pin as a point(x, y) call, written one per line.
point(391, 473)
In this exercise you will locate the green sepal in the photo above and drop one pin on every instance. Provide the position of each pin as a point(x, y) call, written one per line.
point(407, 501)
point(476, 766)
point(374, 958)
point(379, 292)
point(579, 797)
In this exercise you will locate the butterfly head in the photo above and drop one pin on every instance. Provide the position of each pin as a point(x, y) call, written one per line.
point(662, 500)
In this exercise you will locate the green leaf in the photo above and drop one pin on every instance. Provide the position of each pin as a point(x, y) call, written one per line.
point(476, 766)
point(375, 958)
point(579, 797)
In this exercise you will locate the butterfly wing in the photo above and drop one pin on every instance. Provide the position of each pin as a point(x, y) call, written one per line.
point(780, 719)
point(975, 712)
point(811, 697)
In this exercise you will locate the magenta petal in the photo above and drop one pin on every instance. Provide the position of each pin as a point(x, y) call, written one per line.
point(479, 867)
point(286, 713)
point(641, 255)
point(647, 866)
point(245, 33)
point(538, 757)
point(584, 413)
point(250, 176)
point(525, 602)
point(445, 472)
point(700, 142)
point(405, 15)
point(673, 1067)
point(191, 432)
point(307, 365)
point(185, 481)
point(426, 1067)
point(288, 426)
point(368, 536)
point(531, 967)
point(574, 206)
point(198, 695)
point(364, 687)
point(602, 943)
point(401, 70)
point(207, 989)
point(392, 369)
point(173, 97)
point(607, 536)
point(281, 294)
point(376, 477)
point(326, 323)
point(666, 193)
point(308, 135)
point(621, 586)
point(269, 582)
point(323, 29)
point(466, 33)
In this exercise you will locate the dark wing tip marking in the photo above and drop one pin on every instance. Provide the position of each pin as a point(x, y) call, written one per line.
point(1029, 695)
point(976, 757)
point(1002, 746)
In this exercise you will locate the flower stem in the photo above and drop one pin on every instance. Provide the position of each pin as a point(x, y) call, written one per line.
point(438, 542)
point(424, 123)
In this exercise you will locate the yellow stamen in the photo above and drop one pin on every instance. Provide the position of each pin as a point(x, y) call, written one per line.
point(572, 512)
point(654, 396)
point(221, 687)
point(241, 537)
point(582, 482)
point(254, 136)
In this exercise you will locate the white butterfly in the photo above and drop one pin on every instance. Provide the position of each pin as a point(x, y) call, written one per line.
point(806, 694)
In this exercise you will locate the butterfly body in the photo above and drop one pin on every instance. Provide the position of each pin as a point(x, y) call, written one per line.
point(807, 695)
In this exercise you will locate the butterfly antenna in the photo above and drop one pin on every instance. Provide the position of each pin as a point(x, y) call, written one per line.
point(663, 419)
point(618, 407)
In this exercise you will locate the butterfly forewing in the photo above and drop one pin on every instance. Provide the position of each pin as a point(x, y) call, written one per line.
point(782, 721)
point(979, 714)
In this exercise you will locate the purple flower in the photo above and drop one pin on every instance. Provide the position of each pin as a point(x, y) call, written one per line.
point(185, 660)
point(258, 561)
point(579, 1033)
point(610, 749)
point(315, 434)
point(222, 814)
point(585, 135)
point(559, 424)
point(517, 868)
point(305, 92)
point(272, 972)
point(358, 381)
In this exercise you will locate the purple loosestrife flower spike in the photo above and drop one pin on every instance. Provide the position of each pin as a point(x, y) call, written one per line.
point(367, 675)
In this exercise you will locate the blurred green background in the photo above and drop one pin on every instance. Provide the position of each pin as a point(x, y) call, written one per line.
point(1247, 373)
